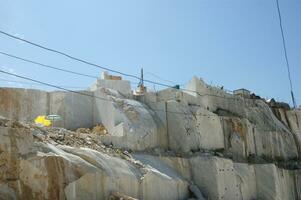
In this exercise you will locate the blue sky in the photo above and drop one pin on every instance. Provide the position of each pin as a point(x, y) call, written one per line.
point(230, 43)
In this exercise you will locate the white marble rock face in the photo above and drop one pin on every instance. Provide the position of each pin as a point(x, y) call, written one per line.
point(228, 146)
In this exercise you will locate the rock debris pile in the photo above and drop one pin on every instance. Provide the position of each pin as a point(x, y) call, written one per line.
point(82, 137)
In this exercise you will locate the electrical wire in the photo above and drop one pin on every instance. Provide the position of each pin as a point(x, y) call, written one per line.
point(90, 76)
point(66, 55)
point(285, 53)
point(47, 66)
point(38, 84)
point(52, 67)
point(88, 62)
point(108, 69)
point(160, 78)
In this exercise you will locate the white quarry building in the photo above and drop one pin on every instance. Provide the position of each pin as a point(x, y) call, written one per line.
point(228, 145)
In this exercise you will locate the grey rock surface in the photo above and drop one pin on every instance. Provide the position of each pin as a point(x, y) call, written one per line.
point(154, 146)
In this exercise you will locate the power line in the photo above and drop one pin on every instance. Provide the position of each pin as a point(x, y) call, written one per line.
point(285, 53)
point(95, 65)
point(77, 73)
point(92, 64)
point(65, 54)
point(160, 78)
point(47, 66)
point(94, 77)
point(52, 67)
point(28, 83)
point(84, 61)
point(70, 56)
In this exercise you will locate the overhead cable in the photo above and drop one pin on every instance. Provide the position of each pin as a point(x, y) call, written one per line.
point(285, 54)
point(92, 64)
point(87, 62)
point(95, 77)
point(47, 66)
point(38, 84)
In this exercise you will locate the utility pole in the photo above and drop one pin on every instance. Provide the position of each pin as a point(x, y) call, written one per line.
point(141, 78)
point(141, 88)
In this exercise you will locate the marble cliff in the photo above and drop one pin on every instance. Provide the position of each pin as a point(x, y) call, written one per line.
point(196, 143)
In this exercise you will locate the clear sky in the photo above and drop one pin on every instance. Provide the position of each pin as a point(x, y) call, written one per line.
point(230, 43)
